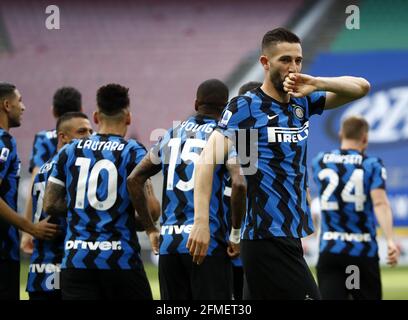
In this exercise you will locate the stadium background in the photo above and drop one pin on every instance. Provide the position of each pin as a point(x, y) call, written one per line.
point(162, 50)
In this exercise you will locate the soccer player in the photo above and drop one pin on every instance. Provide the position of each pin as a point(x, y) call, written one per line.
point(176, 155)
point(11, 111)
point(102, 253)
point(65, 99)
point(237, 270)
point(44, 269)
point(276, 118)
point(351, 189)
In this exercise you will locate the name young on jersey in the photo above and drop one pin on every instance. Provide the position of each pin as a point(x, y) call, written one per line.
point(194, 127)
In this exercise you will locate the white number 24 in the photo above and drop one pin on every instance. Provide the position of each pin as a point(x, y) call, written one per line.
point(355, 183)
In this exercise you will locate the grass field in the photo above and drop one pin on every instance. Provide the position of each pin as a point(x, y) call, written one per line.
point(394, 280)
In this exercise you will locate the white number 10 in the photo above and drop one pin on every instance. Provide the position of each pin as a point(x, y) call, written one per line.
point(92, 180)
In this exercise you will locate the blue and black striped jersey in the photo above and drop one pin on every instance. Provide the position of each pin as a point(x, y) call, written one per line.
point(10, 176)
point(344, 180)
point(177, 152)
point(276, 189)
point(47, 255)
point(44, 147)
point(101, 231)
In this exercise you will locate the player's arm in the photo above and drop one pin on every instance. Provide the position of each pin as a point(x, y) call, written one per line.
point(54, 203)
point(339, 90)
point(153, 205)
point(238, 205)
point(214, 152)
point(136, 187)
point(42, 230)
point(382, 210)
point(26, 244)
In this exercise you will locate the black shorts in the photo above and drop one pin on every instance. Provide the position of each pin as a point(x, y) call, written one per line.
point(275, 269)
point(238, 282)
point(181, 279)
point(54, 295)
point(95, 284)
point(338, 283)
point(9, 280)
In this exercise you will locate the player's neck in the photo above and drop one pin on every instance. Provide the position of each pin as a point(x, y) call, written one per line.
point(119, 129)
point(4, 124)
point(268, 88)
point(209, 114)
point(352, 145)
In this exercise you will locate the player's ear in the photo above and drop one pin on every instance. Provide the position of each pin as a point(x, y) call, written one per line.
point(196, 105)
point(96, 117)
point(264, 61)
point(128, 118)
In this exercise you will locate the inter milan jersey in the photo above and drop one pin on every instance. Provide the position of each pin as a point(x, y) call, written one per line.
point(276, 140)
point(101, 231)
point(345, 179)
point(10, 176)
point(44, 146)
point(227, 211)
point(177, 152)
point(47, 255)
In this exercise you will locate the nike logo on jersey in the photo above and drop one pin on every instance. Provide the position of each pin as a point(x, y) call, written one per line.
point(272, 117)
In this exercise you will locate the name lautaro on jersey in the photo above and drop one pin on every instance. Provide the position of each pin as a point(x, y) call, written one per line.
point(100, 145)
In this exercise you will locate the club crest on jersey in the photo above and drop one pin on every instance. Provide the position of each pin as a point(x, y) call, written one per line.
point(225, 118)
point(4, 154)
point(298, 112)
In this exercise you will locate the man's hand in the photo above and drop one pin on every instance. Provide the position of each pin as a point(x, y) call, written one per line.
point(45, 230)
point(198, 242)
point(393, 253)
point(299, 85)
point(233, 249)
point(154, 238)
point(27, 245)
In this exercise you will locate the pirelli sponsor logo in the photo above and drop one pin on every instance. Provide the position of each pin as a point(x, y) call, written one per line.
point(291, 135)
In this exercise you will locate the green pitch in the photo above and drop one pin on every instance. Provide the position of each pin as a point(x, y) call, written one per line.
point(394, 280)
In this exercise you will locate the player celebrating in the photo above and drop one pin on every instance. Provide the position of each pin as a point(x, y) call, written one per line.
point(65, 99)
point(43, 276)
point(351, 189)
point(278, 215)
point(102, 254)
point(176, 155)
point(11, 111)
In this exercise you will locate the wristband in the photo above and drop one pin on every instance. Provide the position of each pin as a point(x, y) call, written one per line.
point(235, 235)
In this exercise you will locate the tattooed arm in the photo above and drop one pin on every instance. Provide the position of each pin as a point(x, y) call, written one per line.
point(136, 187)
point(54, 199)
point(152, 204)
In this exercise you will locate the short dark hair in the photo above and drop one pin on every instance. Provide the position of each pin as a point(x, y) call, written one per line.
point(66, 99)
point(278, 35)
point(68, 116)
point(353, 127)
point(251, 85)
point(112, 99)
point(6, 89)
point(212, 93)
